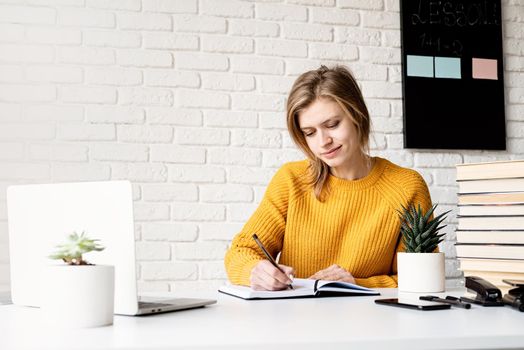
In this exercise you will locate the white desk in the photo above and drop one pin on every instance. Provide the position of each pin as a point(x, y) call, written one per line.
point(327, 323)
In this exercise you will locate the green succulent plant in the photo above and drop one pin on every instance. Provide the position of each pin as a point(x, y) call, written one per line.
point(420, 234)
point(71, 252)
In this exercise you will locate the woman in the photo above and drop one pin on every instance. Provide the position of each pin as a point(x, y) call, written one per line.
point(333, 216)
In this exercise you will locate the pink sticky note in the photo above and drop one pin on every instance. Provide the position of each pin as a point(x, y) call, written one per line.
point(484, 68)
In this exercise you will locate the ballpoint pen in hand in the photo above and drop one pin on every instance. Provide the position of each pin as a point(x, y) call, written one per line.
point(270, 258)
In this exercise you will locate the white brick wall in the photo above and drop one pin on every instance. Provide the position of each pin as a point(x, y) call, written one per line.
point(186, 99)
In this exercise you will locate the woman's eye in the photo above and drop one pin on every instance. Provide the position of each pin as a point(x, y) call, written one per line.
point(332, 125)
point(309, 133)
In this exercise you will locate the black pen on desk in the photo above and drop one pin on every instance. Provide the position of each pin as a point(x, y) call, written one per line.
point(449, 300)
point(270, 258)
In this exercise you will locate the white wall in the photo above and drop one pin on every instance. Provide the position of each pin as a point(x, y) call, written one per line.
point(185, 98)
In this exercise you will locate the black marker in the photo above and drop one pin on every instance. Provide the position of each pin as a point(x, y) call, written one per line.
point(449, 300)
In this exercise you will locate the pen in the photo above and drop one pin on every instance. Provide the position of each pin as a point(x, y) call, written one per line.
point(449, 300)
point(269, 257)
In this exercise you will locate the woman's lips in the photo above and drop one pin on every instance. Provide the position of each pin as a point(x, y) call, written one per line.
point(331, 153)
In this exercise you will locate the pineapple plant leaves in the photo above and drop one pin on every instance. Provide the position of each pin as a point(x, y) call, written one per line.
point(71, 252)
point(419, 233)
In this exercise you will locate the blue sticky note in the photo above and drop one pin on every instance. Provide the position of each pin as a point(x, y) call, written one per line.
point(420, 66)
point(447, 67)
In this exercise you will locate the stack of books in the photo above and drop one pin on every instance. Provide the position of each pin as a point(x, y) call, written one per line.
point(490, 234)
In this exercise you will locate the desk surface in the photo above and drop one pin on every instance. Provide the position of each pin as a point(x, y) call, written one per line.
point(323, 323)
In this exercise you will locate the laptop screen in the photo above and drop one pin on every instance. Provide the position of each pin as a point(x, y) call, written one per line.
point(41, 216)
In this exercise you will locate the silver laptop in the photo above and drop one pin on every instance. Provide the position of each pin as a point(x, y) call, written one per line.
point(41, 216)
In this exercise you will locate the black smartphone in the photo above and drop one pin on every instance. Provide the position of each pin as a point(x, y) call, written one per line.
point(514, 283)
point(413, 304)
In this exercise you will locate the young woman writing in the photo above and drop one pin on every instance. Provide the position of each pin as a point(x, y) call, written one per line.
point(333, 216)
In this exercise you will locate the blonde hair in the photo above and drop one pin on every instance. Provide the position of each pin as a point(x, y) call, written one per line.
point(339, 85)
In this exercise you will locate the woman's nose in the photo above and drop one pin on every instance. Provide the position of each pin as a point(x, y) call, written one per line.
point(325, 138)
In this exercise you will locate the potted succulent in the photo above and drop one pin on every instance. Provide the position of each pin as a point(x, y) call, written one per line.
point(78, 294)
point(421, 268)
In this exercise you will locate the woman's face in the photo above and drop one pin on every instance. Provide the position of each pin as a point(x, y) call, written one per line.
point(330, 134)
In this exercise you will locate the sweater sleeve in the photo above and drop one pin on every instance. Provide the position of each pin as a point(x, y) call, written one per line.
point(417, 192)
point(268, 222)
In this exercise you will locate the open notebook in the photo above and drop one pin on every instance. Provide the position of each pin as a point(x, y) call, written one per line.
point(303, 288)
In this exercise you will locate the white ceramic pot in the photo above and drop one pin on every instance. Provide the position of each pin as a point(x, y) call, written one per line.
point(78, 296)
point(421, 272)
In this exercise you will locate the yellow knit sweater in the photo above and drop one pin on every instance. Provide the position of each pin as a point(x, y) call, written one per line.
point(356, 227)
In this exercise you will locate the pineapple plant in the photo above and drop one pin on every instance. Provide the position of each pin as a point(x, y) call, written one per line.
point(420, 234)
point(72, 251)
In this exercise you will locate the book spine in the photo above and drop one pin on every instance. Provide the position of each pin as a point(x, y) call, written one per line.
point(315, 286)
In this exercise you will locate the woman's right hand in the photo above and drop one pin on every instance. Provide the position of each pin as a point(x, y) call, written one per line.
point(265, 276)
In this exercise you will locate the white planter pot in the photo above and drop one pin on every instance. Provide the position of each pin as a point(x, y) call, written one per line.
point(78, 296)
point(421, 272)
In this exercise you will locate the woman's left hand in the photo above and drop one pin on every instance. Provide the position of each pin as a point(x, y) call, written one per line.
point(334, 273)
